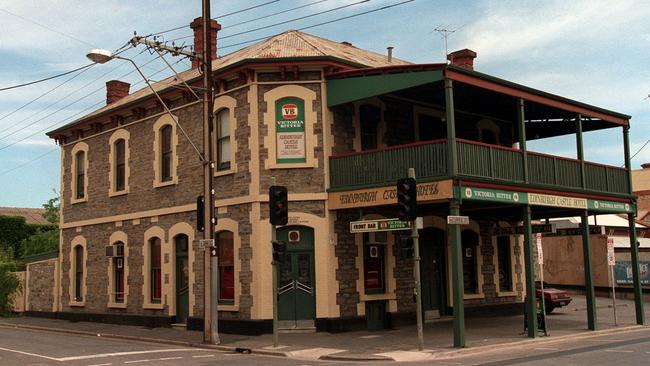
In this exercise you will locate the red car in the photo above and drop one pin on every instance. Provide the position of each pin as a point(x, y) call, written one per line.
point(553, 298)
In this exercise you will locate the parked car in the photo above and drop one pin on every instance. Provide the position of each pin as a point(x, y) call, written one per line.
point(553, 298)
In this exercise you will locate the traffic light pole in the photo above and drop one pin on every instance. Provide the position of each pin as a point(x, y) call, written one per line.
point(274, 264)
point(416, 272)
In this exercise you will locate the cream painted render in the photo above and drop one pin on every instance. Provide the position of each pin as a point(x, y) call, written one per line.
point(125, 135)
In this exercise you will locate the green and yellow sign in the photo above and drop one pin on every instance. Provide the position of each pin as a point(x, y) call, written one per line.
point(538, 199)
point(290, 130)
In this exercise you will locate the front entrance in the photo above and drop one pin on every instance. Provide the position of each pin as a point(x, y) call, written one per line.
point(296, 292)
point(432, 272)
point(182, 279)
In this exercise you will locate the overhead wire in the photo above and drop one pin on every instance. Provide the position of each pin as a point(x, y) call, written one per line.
point(47, 78)
point(219, 17)
point(285, 21)
point(29, 162)
point(321, 24)
point(274, 14)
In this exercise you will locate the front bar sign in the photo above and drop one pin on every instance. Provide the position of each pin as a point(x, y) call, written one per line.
point(379, 225)
point(290, 130)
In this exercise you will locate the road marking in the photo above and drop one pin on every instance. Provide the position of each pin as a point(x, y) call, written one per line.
point(101, 355)
point(618, 350)
point(137, 361)
point(314, 353)
point(546, 349)
point(202, 356)
point(28, 354)
point(169, 358)
point(370, 336)
point(102, 364)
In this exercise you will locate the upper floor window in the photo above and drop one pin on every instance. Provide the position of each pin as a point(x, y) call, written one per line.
point(222, 147)
point(166, 153)
point(369, 119)
point(120, 165)
point(80, 165)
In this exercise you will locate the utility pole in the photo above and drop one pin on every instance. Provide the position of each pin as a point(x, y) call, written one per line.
point(210, 293)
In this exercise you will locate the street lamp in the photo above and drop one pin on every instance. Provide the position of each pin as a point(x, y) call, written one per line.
point(102, 56)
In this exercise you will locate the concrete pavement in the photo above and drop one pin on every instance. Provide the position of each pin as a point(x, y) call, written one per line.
point(482, 333)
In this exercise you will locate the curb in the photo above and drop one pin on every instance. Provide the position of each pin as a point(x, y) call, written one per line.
point(356, 359)
point(148, 340)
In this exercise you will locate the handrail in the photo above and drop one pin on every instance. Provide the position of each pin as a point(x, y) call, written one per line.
point(489, 145)
point(387, 148)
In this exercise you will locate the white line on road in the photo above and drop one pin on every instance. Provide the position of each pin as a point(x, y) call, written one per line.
point(28, 354)
point(618, 350)
point(169, 358)
point(202, 356)
point(100, 355)
point(546, 349)
point(137, 361)
point(102, 364)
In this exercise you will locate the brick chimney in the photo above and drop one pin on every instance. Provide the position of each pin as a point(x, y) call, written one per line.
point(197, 27)
point(463, 58)
point(645, 165)
point(116, 90)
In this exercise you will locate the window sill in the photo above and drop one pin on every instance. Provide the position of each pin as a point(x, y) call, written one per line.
point(473, 296)
point(227, 307)
point(79, 200)
point(221, 173)
point(116, 305)
point(506, 293)
point(377, 297)
point(275, 165)
point(172, 182)
point(78, 304)
point(151, 306)
point(120, 193)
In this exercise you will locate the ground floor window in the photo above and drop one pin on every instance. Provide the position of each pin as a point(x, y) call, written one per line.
point(156, 272)
point(226, 266)
point(504, 264)
point(78, 272)
point(118, 272)
point(470, 262)
point(374, 262)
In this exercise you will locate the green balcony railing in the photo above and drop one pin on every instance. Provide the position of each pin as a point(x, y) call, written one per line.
point(383, 167)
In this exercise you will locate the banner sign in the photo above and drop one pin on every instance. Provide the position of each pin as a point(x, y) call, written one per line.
point(623, 273)
point(519, 230)
point(290, 130)
point(538, 199)
point(379, 225)
point(430, 191)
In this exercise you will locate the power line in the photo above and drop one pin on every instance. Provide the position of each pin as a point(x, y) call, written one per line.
point(64, 107)
point(48, 78)
point(321, 24)
point(29, 162)
point(286, 21)
point(274, 14)
point(639, 150)
point(219, 17)
point(46, 27)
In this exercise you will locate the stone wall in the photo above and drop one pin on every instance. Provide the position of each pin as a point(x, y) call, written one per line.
point(41, 285)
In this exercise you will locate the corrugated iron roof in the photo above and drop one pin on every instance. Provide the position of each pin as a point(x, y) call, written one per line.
point(290, 44)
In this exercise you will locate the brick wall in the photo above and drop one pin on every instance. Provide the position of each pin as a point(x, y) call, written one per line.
point(40, 276)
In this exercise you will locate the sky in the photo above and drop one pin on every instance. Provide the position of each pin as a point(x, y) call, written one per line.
point(593, 51)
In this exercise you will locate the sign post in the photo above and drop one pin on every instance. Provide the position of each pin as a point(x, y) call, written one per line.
point(540, 261)
point(611, 261)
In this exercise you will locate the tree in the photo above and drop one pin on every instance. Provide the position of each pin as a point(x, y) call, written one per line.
point(52, 208)
point(13, 230)
point(41, 242)
point(9, 283)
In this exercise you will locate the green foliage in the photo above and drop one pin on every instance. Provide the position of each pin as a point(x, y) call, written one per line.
point(52, 208)
point(9, 283)
point(41, 242)
point(13, 230)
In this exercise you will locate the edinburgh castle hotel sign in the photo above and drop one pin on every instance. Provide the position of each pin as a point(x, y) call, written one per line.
point(429, 191)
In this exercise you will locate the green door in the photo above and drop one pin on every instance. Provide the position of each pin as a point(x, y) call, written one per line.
point(182, 279)
point(432, 271)
point(296, 290)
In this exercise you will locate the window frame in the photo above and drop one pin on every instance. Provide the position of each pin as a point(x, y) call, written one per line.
point(221, 266)
point(155, 273)
point(119, 280)
point(166, 152)
point(79, 173)
point(221, 138)
point(79, 273)
point(118, 166)
point(171, 154)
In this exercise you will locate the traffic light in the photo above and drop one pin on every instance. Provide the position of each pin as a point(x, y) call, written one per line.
point(407, 248)
point(407, 203)
point(200, 219)
point(279, 249)
point(278, 205)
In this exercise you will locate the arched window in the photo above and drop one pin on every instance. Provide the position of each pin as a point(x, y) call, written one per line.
point(155, 261)
point(80, 173)
point(166, 152)
point(78, 273)
point(118, 272)
point(226, 266)
point(222, 148)
point(120, 165)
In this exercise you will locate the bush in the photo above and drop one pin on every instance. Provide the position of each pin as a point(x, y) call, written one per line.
point(41, 242)
point(9, 283)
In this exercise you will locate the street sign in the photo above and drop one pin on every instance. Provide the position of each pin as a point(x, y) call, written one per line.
point(519, 230)
point(593, 230)
point(457, 220)
point(206, 243)
point(379, 225)
point(540, 251)
point(611, 258)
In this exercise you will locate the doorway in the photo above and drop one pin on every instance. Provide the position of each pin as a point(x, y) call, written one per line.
point(181, 244)
point(433, 272)
point(296, 288)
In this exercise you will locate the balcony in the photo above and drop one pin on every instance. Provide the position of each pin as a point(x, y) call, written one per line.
point(476, 161)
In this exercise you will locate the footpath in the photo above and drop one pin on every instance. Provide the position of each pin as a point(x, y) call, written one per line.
point(483, 334)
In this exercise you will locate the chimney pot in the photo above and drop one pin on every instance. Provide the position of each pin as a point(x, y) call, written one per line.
point(463, 58)
point(645, 165)
point(347, 43)
point(390, 53)
point(197, 27)
point(116, 90)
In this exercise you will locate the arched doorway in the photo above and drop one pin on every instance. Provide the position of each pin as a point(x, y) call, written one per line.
point(296, 288)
